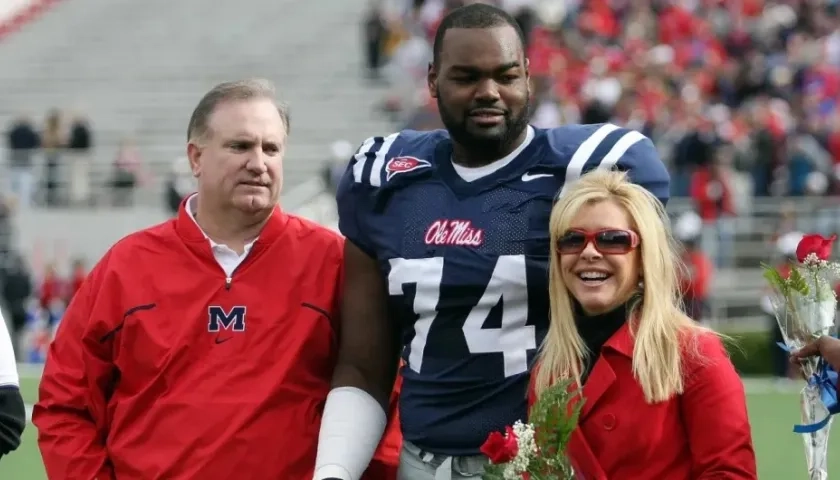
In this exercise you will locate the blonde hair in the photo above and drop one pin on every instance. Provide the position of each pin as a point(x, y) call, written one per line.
point(657, 319)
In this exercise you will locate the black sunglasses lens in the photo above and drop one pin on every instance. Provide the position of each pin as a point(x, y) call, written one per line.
point(614, 240)
point(571, 241)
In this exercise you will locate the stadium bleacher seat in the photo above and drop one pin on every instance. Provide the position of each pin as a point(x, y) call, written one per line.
point(138, 68)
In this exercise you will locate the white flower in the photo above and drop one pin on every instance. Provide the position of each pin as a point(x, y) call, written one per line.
point(813, 263)
point(525, 438)
point(821, 276)
point(527, 449)
point(812, 260)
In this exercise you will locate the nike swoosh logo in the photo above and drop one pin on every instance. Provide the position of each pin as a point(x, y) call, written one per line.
point(527, 177)
point(220, 341)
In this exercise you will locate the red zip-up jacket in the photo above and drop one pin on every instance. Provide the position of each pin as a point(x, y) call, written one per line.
point(164, 369)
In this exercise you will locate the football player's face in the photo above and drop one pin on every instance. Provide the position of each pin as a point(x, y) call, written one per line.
point(481, 86)
point(622, 270)
point(240, 160)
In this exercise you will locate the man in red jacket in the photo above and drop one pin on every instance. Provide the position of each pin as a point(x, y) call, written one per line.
point(202, 347)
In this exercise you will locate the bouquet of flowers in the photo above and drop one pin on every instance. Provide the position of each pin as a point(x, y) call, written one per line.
point(804, 304)
point(536, 450)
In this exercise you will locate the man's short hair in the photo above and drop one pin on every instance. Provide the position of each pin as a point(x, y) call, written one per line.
point(475, 15)
point(255, 88)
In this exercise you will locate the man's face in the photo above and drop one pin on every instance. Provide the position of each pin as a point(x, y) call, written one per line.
point(481, 86)
point(239, 162)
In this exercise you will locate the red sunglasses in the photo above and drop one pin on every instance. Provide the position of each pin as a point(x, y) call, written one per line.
point(610, 241)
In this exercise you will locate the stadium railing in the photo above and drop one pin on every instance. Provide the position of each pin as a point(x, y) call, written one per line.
point(737, 291)
point(100, 172)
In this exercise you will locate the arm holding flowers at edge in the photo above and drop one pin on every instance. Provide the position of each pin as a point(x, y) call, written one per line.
point(825, 346)
point(714, 411)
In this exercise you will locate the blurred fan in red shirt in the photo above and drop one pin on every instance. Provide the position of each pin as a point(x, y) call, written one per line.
point(696, 279)
point(711, 191)
point(52, 288)
point(77, 278)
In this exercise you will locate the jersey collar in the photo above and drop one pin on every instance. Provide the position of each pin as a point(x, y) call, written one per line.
point(525, 154)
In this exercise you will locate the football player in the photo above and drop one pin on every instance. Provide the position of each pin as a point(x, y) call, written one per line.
point(446, 259)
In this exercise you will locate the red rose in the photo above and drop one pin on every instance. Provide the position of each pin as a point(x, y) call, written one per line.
point(816, 244)
point(500, 448)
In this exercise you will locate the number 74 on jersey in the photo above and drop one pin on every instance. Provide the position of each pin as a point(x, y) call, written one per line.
point(508, 284)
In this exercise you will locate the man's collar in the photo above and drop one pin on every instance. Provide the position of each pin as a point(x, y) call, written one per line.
point(190, 207)
point(188, 229)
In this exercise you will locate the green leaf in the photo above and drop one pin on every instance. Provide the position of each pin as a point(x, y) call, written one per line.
point(797, 282)
point(493, 472)
point(775, 279)
point(554, 421)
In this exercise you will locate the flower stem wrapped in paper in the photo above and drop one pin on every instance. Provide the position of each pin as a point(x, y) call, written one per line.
point(536, 450)
point(804, 303)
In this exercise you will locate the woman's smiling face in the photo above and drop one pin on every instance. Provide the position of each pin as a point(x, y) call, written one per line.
point(599, 261)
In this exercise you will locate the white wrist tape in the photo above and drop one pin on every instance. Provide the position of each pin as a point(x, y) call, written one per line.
point(351, 428)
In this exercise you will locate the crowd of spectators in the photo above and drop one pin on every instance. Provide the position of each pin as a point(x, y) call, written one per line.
point(53, 165)
point(752, 84)
point(61, 148)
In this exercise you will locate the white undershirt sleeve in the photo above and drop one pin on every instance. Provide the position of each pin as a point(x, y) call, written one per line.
point(351, 428)
point(8, 366)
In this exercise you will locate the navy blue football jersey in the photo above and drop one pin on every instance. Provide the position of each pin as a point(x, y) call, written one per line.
point(466, 264)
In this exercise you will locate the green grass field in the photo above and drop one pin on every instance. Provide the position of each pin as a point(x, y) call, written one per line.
point(772, 414)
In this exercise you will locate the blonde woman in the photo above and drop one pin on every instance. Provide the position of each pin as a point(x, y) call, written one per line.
point(661, 398)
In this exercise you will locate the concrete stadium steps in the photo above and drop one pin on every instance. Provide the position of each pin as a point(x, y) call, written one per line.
point(138, 68)
point(62, 235)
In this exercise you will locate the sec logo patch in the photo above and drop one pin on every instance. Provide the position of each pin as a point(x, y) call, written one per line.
point(399, 165)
